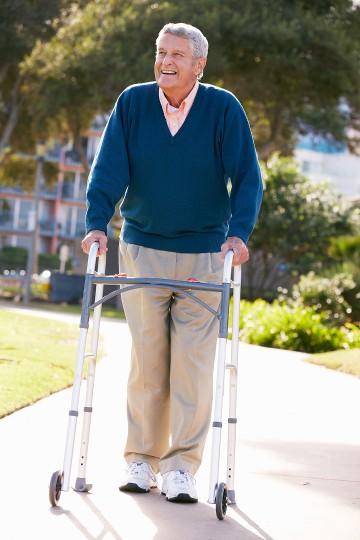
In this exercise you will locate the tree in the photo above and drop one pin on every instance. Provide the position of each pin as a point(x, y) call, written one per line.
point(297, 222)
point(22, 24)
point(96, 52)
point(294, 64)
point(296, 67)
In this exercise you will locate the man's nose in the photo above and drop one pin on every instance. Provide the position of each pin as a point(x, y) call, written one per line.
point(167, 58)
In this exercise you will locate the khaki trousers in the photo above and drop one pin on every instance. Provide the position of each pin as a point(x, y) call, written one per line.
point(171, 376)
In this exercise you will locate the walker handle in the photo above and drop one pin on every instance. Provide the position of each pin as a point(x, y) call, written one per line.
point(227, 266)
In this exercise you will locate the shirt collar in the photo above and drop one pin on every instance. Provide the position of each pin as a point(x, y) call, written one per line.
point(185, 104)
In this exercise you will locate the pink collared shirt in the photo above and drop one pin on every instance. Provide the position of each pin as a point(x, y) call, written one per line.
point(176, 117)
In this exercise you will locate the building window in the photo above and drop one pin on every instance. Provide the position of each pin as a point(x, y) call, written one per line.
point(305, 166)
point(311, 167)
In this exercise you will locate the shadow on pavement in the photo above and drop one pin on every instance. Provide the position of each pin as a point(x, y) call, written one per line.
point(156, 519)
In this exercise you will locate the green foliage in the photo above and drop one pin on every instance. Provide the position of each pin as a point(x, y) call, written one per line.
point(284, 54)
point(22, 23)
point(15, 258)
point(324, 294)
point(352, 296)
point(96, 52)
point(298, 215)
point(19, 171)
point(48, 261)
point(298, 329)
point(346, 248)
point(290, 63)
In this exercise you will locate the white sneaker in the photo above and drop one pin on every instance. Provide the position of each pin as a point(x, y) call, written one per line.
point(139, 478)
point(179, 486)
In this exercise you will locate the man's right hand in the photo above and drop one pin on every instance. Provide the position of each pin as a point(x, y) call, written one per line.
point(95, 236)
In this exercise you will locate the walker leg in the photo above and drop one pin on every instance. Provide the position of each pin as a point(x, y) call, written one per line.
point(60, 479)
point(74, 410)
point(217, 423)
point(220, 377)
point(233, 382)
point(80, 483)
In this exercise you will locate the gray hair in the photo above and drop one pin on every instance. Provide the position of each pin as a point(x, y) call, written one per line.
point(198, 41)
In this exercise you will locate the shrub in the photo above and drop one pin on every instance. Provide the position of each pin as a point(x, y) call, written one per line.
point(352, 296)
point(345, 248)
point(13, 258)
point(48, 261)
point(293, 328)
point(297, 216)
point(324, 294)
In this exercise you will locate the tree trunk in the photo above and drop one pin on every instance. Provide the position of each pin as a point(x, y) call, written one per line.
point(275, 140)
point(15, 106)
point(80, 150)
point(265, 151)
point(3, 72)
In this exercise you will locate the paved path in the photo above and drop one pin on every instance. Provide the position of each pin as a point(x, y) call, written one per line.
point(298, 460)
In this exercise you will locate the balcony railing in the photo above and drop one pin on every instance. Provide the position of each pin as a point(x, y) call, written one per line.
point(47, 226)
point(45, 191)
point(66, 232)
point(49, 191)
point(69, 192)
point(7, 222)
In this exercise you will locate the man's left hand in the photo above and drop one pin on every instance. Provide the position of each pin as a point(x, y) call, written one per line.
point(241, 252)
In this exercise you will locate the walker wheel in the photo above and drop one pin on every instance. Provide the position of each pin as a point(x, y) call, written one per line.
point(55, 487)
point(221, 501)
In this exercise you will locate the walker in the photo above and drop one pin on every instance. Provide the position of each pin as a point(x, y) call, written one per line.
point(221, 494)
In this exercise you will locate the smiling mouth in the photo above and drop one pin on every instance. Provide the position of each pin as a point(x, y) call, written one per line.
point(168, 72)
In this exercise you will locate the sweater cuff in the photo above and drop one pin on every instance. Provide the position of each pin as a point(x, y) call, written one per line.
point(96, 229)
point(241, 236)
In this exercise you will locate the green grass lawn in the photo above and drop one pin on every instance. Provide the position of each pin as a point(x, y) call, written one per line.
point(37, 358)
point(346, 361)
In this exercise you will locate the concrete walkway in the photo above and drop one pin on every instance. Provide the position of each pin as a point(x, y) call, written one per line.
point(298, 459)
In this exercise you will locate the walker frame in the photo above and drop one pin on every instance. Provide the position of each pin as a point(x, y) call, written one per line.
point(220, 494)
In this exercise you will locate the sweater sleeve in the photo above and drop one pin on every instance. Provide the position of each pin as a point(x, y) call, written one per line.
point(242, 167)
point(109, 174)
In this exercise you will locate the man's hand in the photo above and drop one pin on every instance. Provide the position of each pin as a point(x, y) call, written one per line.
point(95, 236)
point(241, 253)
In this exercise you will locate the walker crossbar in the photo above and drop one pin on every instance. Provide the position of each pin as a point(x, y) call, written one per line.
point(178, 286)
point(218, 493)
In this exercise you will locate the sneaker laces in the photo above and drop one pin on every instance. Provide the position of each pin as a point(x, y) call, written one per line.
point(182, 477)
point(139, 467)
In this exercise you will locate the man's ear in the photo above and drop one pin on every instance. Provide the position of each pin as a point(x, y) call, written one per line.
point(200, 65)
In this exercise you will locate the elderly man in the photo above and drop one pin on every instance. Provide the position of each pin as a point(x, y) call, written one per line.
point(171, 147)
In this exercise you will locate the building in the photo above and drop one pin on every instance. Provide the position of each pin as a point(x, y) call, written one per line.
point(61, 208)
point(322, 161)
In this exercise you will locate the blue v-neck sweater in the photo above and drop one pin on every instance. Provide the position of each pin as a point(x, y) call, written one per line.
point(176, 194)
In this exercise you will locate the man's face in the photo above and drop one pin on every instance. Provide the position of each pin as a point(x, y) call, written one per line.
point(176, 70)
